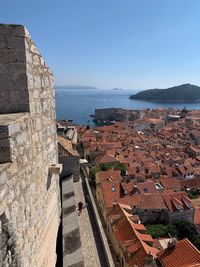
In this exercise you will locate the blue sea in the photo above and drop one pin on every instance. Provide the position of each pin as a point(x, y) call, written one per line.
point(78, 104)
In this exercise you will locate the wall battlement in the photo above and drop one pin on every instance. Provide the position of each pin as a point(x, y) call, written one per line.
point(29, 179)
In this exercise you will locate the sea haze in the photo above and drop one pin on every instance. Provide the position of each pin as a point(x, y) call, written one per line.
point(78, 104)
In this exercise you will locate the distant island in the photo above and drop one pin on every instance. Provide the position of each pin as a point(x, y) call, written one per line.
point(117, 89)
point(185, 93)
point(75, 87)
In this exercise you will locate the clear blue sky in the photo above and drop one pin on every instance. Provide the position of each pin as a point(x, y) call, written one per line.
point(114, 43)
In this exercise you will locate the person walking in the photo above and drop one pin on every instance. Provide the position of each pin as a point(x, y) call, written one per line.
point(80, 207)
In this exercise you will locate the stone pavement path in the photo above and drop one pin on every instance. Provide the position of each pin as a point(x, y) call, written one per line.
point(72, 251)
point(91, 245)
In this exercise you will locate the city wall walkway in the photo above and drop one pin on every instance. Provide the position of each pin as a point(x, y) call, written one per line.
point(81, 242)
point(89, 241)
point(72, 248)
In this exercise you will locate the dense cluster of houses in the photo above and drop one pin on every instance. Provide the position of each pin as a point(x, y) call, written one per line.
point(160, 184)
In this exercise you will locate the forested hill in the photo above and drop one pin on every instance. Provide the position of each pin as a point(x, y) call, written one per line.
point(185, 93)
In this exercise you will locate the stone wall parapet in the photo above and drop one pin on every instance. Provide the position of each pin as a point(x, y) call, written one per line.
point(29, 191)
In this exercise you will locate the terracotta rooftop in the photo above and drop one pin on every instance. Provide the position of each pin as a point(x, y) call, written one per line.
point(170, 183)
point(177, 201)
point(105, 159)
point(191, 183)
point(110, 175)
point(197, 215)
point(152, 202)
point(147, 187)
point(135, 245)
point(181, 255)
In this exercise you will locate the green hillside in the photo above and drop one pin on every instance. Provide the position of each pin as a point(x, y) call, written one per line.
point(185, 93)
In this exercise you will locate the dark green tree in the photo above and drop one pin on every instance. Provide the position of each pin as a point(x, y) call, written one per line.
point(186, 230)
point(196, 242)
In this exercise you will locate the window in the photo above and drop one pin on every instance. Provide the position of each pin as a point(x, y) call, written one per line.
point(125, 192)
point(145, 190)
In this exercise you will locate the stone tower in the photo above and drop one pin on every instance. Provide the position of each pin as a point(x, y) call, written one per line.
point(29, 173)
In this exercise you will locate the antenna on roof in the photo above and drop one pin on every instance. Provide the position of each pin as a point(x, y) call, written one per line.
point(169, 235)
point(114, 204)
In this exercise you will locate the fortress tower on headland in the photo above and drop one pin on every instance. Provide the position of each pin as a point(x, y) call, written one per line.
point(29, 173)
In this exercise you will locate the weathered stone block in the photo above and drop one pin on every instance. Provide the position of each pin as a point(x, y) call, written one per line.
point(12, 56)
point(6, 82)
point(15, 42)
point(2, 41)
point(13, 129)
point(3, 191)
point(12, 29)
point(3, 177)
point(3, 68)
point(21, 81)
point(36, 60)
point(37, 82)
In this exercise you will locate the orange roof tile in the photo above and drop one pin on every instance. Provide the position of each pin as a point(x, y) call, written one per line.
point(110, 175)
point(152, 202)
point(170, 183)
point(197, 215)
point(133, 243)
point(177, 200)
point(147, 187)
point(105, 159)
point(181, 255)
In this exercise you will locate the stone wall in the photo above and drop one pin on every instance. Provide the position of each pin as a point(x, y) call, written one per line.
point(116, 114)
point(183, 215)
point(71, 166)
point(29, 174)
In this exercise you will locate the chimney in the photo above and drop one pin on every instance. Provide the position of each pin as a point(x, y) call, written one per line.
point(114, 205)
point(172, 243)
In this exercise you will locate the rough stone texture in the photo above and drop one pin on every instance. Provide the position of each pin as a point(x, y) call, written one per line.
point(72, 247)
point(92, 254)
point(29, 189)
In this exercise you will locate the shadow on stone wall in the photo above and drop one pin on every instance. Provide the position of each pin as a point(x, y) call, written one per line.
point(8, 254)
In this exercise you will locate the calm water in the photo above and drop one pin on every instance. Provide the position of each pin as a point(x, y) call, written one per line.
point(78, 104)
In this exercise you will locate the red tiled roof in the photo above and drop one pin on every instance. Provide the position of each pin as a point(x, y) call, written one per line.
point(147, 187)
point(177, 200)
point(110, 175)
point(105, 159)
point(133, 243)
point(197, 215)
point(191, 183)
point(152, 202)
point(195, 149)
point(139, 227)
point(181, 169)
point(145, 237)
point(111, 192)
point(170, 183)
point(127, 186)
point(181, 255)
